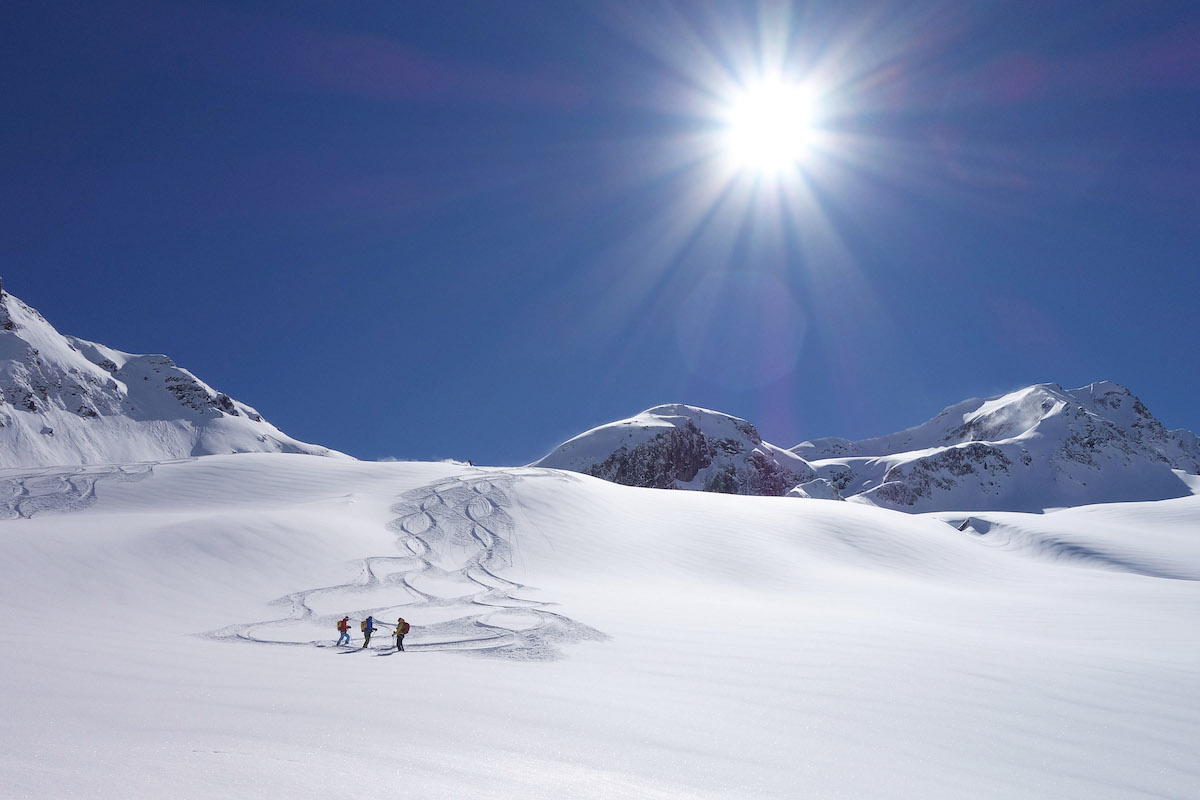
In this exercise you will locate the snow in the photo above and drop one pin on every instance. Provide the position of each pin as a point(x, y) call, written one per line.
point(171, 629)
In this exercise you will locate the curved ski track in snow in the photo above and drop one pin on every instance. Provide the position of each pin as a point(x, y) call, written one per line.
point(454, 537)
point(61, 488)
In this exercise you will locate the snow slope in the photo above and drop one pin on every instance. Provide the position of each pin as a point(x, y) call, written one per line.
point(171, 635)
point(67, 401)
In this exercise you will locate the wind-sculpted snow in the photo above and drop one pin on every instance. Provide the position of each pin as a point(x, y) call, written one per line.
point(455, 539)
point(62, 489)
point(1083, 547)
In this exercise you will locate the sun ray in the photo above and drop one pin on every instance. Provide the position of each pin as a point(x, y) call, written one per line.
point(770, 145)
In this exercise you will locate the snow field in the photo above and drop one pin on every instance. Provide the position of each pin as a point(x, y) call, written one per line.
point(573, 638)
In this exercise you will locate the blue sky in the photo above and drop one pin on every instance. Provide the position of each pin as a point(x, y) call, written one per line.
point(475, 229)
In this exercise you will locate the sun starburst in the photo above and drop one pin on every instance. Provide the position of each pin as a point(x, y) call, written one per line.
point(769, 127)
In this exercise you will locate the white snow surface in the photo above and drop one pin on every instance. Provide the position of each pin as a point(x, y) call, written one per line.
point(67, 401)
point(170, 632)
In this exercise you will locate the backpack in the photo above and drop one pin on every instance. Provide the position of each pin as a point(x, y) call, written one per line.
point(362, 626)
point(342, 626)
point(404, 629)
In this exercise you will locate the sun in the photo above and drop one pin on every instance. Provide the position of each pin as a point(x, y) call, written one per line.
point(768, 127)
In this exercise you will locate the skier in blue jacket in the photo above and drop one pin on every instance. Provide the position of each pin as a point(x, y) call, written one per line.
point(368, 627)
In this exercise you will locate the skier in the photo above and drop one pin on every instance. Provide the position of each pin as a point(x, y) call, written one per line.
point(344, 630)
point(401, 629)
point(367, 627)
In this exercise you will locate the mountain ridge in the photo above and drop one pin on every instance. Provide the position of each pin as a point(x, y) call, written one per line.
point(1035, 448)
point(69, 401)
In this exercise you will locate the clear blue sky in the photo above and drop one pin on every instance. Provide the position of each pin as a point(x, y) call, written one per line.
point(474, 229)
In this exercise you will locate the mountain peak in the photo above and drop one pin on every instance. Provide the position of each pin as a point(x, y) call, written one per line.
point(1037, 447)
point(68, 401)
point(677, 446)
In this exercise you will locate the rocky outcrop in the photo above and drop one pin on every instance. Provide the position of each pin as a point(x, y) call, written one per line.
point(979, 466)
point(675, 455)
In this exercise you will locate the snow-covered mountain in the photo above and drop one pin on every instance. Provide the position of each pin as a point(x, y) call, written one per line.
point(682, 447)
point(1039, 447)
point(67, 401)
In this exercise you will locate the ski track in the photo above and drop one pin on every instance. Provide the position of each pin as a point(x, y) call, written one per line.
point(62, 489)
point(455, 533)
